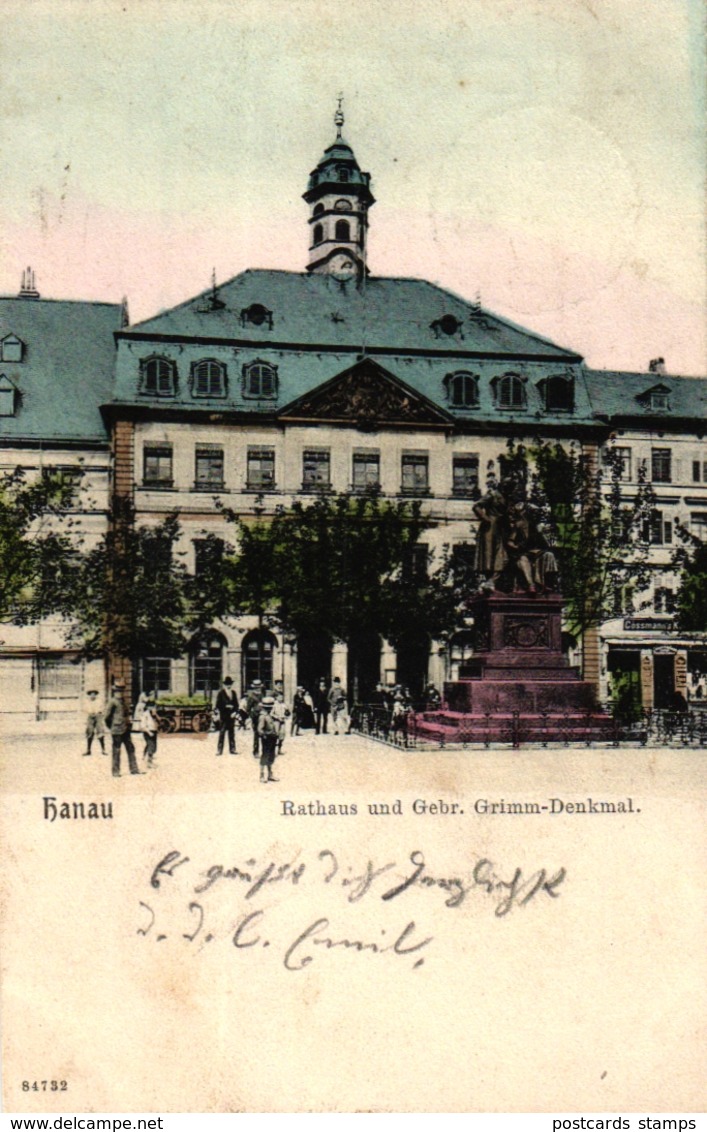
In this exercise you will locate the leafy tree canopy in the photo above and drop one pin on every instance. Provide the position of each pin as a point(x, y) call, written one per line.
point(691, 604)
point(39, 539)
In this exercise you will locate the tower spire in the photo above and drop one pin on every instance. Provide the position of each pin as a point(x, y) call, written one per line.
point(339, 117)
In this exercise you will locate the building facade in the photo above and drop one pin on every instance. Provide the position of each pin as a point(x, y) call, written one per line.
point(276, 385)
point(56, 369)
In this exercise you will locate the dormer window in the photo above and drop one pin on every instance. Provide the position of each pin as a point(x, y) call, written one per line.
point(657, 399)
point(256, 315)
point(208, 378)
point(11, 349)
point(510, 391)
point(158, 377)
point(342, 230)
point(260, 380)
point(7, 396)
point(448, 324)
point(462, 390)
point(557, 393)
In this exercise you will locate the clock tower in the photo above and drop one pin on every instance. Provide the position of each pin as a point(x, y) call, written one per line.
point(339, 196)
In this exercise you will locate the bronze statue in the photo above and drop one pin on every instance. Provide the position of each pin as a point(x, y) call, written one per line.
point(512, 553)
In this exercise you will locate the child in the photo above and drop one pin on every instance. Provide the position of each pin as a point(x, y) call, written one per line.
point(95, 727)
point(268, 734)
point(148, 726)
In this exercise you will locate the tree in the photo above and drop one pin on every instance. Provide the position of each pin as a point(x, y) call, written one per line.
point(132, 597)
point(601, 534)
point(691, 602)
point(341, 565)
point(39, 540)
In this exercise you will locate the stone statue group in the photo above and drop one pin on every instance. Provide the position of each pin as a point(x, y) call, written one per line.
point(512, 553)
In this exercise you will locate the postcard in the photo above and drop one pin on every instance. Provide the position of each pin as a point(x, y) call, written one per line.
point(353, 680)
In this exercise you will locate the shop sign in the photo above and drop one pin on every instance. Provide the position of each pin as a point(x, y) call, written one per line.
point(649, 624)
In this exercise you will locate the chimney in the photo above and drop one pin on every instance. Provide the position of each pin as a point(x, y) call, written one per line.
point(28, 290)
point(657, 365)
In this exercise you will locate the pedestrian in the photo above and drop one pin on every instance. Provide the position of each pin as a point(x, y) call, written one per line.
point(280, 714)
point(226, 708)
point(117, 719)
point(299, 707)
point(321, 707)
point(268, 732)
point(253, 701)
point(338, 707)
point(149, 727)
point(433, 700)
point(95, 727)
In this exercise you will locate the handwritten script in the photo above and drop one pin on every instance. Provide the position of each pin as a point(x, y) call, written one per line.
point(239, 903)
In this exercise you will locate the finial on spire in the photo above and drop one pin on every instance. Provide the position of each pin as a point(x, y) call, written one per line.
point(339, 116)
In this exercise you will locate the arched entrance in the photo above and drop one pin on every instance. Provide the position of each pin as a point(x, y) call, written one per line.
point(206, 663)
point(313, 659)
point(363, 666)
point(259, 647)
point(413, 657)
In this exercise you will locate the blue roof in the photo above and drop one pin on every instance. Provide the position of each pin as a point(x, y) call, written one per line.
point(66, 371)
point(617, 395)
point(399, 315)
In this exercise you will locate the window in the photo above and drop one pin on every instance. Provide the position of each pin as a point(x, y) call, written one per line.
point(261, 469)
point(415, 473)
point(465, 475)
point(462, 390)
point(660, 400)
point(208, 555)
point(699, 471)
point(11, 349)
point(664, 600)
point(463, 562)
point(257, 315)
point(558, 394)
point(157, 466)
point(7, 397)
point(260, 380)
point(698, 525)
point(416, 561)
point(156, 674)
point(342, 230)
point(158, 377)
point(208, 379)
point(318, 234)
point(510, 392)
point(343, 174)
point(208, 468)
point(660, 465)
point(318, 209)
point(59, 678)
point(316, 469)
point(657, 530)
point(341, 206)
point(366, 471)
point(206, 663)
point(623, 459)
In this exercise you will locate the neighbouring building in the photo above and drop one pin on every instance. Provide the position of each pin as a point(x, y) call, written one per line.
point(56, 368)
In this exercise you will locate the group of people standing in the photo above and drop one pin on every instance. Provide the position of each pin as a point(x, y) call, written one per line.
point(117, 720)
point(266, 715)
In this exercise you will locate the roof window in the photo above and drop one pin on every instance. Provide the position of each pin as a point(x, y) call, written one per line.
point(256, 315)
point(11, 349)
point(448, 324)
point(8, 399)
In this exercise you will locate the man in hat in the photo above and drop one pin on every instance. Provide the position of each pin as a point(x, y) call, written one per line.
point(253, 705)
point(95, 728)
point(226, 706)
point(117, 720)
point(268, 730)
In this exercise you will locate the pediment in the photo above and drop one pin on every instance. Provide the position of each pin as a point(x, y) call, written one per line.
point(368, 397)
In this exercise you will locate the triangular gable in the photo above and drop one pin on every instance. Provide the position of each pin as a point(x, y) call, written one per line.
point(369, 397)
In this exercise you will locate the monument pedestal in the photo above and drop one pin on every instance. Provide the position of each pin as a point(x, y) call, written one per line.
point(518, 680)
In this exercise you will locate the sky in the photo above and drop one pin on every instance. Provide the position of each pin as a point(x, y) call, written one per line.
point(545, 155)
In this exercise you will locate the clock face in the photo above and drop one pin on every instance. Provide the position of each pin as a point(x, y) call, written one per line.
point(342, 267)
